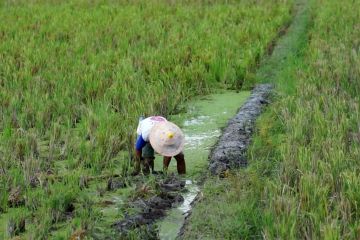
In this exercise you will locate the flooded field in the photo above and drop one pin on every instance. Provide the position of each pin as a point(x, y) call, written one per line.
point(201, 121)
point(202, 124)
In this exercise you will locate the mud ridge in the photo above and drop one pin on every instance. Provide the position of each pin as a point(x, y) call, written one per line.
point(230, 151)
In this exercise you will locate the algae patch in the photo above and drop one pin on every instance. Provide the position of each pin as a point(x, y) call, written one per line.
point(201, 123)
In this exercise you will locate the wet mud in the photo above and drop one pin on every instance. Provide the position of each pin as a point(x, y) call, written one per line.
point(115, 183)
point(162, 214)
point(230, 151)
point(173, 224)
point(152, 209)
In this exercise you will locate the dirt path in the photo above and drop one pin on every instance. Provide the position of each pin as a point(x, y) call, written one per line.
point(289, 44)
point(230, 151)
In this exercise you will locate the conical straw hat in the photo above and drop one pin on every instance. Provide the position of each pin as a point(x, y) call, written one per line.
point(167, 139)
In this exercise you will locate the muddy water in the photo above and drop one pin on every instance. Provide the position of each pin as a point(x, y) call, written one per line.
point(201, 123)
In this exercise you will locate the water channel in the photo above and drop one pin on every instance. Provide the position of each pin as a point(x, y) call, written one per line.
point(202, 123)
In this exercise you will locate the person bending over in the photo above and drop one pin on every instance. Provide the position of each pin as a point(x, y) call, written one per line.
point(165, 137)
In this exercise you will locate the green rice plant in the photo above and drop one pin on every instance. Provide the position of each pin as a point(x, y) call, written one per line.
point(302, 179)
point(319, 119)
point(101, 67)
point(16, 224)
point(75, 76)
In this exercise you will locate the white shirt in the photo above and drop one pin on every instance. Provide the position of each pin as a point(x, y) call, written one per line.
point(145, 126)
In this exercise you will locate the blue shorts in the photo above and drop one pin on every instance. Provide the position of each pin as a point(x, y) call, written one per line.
point(147, 149)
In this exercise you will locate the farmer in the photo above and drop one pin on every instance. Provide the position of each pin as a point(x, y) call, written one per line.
point(165, 137)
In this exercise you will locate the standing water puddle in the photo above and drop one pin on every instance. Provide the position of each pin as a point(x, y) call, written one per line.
point(201, 124)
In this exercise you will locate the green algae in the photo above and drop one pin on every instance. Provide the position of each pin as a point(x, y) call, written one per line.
point(202, 123)
point(247, 219)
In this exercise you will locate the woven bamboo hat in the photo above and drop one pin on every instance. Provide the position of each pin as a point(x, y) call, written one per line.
point(167, 139)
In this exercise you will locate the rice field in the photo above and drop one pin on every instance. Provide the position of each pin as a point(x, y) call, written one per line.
point(303, 177)
point(76, 75)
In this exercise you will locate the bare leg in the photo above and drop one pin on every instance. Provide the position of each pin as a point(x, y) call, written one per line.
point(166, 162)
point(181, 166)
point(150, 163)
point(146, 166)
point(136, 167)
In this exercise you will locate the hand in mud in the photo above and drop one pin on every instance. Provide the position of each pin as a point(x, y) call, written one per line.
point(136, 171)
